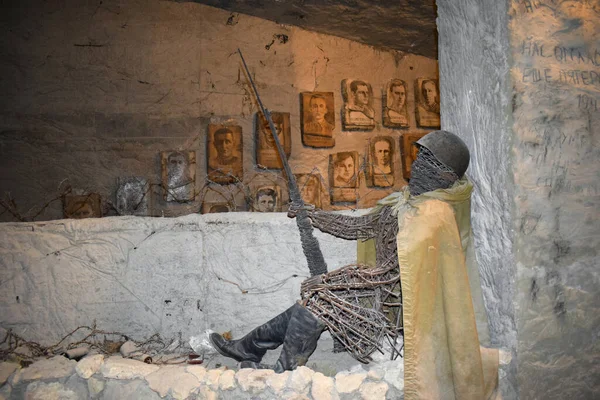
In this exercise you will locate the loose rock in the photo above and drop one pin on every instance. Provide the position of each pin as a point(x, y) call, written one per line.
point(373, 390)
point(124, 368)
point(89, 365)
point(53, 368)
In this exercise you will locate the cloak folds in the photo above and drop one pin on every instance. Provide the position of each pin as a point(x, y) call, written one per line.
point(442, 303)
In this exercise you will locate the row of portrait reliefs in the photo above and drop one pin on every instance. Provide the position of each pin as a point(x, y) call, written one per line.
point(359, 113)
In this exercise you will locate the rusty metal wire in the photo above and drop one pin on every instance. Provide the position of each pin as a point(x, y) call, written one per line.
point(350, 301)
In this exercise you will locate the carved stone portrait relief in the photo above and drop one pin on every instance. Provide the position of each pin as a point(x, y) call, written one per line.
point(318, 119)
point(427, 97)
point(395, 110)
point(358, 113)
point(267, 199)
point(381, 161)
point(224, 153)
point(82, 206)
point(132, 196)
point(343, 176)
point(266, 150)
point(310, 188)
point(178, 175)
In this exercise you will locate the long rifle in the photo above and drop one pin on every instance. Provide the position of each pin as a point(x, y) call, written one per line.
point(310, 244)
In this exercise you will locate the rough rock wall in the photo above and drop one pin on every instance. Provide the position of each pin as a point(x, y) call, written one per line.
point(94, 91)
point(556, 74)
point(139, 276)
point(475, 95)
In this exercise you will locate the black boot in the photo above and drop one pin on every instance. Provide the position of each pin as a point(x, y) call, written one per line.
point(255, 344)
point(301, 337)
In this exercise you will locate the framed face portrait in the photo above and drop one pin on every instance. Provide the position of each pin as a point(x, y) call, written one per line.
point(267, 155)
point(395, 110)
point(358, 111)
point(381, 161)
point(82, 206)
point(343, 168)
point(216, 207)
point(224, 153)
point(409, 151)
point(318, 119)
point(427, 97)
point(267, 199)
point(132, 196)
point(310, 188)
point(178, 175)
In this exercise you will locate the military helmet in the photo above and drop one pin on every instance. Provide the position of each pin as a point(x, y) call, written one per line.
point(449, 149)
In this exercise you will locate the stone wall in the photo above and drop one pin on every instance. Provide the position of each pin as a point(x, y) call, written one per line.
point(556, 74)
point(94, 92)
point(140, 276)
point(527, 104)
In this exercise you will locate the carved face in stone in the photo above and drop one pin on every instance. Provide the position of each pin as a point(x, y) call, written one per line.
point(397, 97)
point(344, 169)
point(224, 144)
point(318, 108)
point(430, 93)
point(382, 152)
point(361, 95)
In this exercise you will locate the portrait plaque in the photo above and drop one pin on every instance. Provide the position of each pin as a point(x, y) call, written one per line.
point(310, 188)
point(224, 153)
point(215, 207)
point(267, 199)
point(82, 206)
point(427, 98)
point(266, 150)
point(178, 175)
point(409, 151)
point(381, 161)
point(358, 111)
point(132, 196)
point(318, 119)
point(395, 109)
point(343, 176)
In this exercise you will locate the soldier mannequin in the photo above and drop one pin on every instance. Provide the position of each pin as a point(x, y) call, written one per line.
point(442, 160)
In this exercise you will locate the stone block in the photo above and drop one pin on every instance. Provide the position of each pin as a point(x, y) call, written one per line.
point(6, 370)
point(253, 380)
point(53, 368)
point(323, 387)
point(95, 386)
point(347, 382)
point(49, 391)
point(197, 370)
point(227, 380)
point(174, 380)
point(211, 379)
point(89, 365)
point(301, 379)
point(278, 382)
point(373, 390)
point(131, 390)
point(123, 368)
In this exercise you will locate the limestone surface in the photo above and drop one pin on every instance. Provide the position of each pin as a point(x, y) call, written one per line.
point(174, 380)
point(52, 368)
point(89, 365)
point(6, 370)
point(117, 367)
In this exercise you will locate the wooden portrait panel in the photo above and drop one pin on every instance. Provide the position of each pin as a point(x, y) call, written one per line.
point(358, 114)
point(82, 206)
point(427, 98)
point(381, 161)
point(343, 176)
point(224, 153)
point(409, 151)
point(310, 188)
point(318, 119)
point(178, 175)
point(267, 199)
point(267, 155)
point(395, 108)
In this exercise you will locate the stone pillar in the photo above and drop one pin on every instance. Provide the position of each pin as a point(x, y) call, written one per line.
point(520, 83)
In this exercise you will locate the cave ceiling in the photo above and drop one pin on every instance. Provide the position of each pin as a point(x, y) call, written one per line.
point(403, 25)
